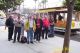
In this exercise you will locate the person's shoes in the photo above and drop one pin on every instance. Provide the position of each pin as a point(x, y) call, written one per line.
point(9, 40)
point(18, 41)
point(27, 42)
point(13, 41)
point(38, 41)
point(46, 38)
point(42, 38)
point(32, 42)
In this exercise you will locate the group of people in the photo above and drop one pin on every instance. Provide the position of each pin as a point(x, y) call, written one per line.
point(36, 27)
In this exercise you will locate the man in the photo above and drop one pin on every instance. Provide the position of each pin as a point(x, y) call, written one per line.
point(9, 23)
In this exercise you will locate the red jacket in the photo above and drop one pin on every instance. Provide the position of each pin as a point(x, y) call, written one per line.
point(46, 22)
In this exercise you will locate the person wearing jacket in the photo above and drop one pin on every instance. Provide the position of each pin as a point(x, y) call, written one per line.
point(9, 23)
point(18, 25)
point(22, 28)
point(38, 28)
point(45, 27)
point(35, 28)
point(30, 28)
point(51, 28)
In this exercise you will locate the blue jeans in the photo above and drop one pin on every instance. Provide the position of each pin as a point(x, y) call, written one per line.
point(17, 30)
point(30, 35)
point(51, 30)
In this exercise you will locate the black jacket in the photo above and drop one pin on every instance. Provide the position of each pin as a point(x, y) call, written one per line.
point(9, 22)
point(41, 24)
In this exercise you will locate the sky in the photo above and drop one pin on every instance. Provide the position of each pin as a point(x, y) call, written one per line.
point(31, 4)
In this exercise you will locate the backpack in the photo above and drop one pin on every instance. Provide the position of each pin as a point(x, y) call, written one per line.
point(23, 39)
point(50, 35)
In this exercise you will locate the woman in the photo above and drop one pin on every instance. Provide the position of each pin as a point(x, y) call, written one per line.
point(18, 25)
point(45, 27)
point(22, 29)
point(29, 27)
point(51, 28)
point(38, 28)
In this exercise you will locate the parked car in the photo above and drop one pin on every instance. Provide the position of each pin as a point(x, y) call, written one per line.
point(2, 21)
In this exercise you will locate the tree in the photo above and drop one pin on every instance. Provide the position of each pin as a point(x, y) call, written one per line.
point(70, 7)
point(6, 4)
point(44, 3)
point(27, 11)
point(64, 3)
point(39, 5)
point(76, 7)
point(35, 3)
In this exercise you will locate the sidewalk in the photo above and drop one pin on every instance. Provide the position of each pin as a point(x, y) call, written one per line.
point(51, 45)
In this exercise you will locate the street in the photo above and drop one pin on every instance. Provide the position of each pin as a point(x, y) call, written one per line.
point(51, 45)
